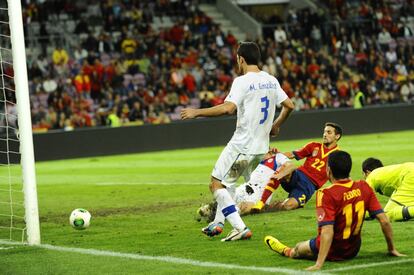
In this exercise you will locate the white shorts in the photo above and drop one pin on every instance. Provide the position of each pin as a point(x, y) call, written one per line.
point(231, 165)
point(247, 193)
point(250, 192)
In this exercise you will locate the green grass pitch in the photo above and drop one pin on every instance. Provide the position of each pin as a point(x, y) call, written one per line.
point(145, 204)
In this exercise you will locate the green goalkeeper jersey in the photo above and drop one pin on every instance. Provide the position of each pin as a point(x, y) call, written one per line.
point(387, 179)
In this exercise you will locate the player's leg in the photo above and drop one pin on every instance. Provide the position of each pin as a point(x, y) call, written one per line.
point(230, 212)
point(221, 168)
point(227, 170)
point(285, 205)
point(289, 186)
point(247, 194)
point(245, 207)
point(271, 186)
point(300, 190)
point(217, 225)
point(245, 197)
point(400, 207)
point(302, 250)
point(244, 165)
point(398, 212)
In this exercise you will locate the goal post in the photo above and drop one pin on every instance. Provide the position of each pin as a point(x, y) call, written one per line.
point(24, 122)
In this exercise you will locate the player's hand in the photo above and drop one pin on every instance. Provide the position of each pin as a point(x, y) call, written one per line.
point(276, 176)
point(188, 113)
point(314, 267)
point(275, 131)
point(395, 253)
point(273, 150)
point(270, 153)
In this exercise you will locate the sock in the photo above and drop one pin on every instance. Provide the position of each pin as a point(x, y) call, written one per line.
point(269, 189)
point(228, 208)
point(219, 215)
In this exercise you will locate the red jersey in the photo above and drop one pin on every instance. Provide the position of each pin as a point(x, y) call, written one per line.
point(316, 155)
point(343, 204)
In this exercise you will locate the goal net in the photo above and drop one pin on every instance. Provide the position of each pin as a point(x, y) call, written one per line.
point(18, 197)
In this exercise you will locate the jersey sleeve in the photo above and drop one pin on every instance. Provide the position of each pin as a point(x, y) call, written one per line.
point(325, 208)
point(237, 92)
point(281, 95)
point(304, 152)
point(373, 205)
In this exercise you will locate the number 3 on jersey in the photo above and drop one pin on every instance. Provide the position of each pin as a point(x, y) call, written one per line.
point(264, 109)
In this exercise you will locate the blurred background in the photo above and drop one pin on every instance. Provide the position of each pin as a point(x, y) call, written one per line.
point(123, 62)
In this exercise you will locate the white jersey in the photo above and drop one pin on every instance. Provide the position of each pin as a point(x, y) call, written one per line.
point(256, 96)
point(252, 190)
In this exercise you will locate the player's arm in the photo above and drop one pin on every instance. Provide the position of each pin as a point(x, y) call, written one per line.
point(290, 155)
point(284, 170)
point(303, 152)
point(387, 231)
point(287, 108)
point(226, 108)
point(327, 232)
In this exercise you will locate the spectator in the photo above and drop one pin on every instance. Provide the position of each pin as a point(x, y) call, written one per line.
point(384, 39)
point(113, 118)
point(60, 56)
point(164, 68)
point(280, 35)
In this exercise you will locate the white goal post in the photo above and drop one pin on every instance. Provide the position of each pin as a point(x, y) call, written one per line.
point(24, 122)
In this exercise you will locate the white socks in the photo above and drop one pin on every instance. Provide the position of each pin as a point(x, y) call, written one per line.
point(226, 208)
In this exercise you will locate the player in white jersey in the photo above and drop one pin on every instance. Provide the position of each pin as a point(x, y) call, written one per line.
point(254, 95)
point(249, 193)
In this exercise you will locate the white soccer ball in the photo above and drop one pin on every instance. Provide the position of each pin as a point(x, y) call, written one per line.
point(80, 218)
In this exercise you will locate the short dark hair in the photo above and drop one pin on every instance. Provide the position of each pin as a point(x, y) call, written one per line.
point(340, 163)
point(337, 127)
point(370, 164)
point(250, 52)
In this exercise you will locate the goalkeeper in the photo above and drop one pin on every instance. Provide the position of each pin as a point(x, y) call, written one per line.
point(394, 181)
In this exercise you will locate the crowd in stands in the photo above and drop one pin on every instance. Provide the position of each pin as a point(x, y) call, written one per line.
point(131, 73)
point(361, 54)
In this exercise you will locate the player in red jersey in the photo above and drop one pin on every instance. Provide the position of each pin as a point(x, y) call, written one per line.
point(340, 211)
point(306, 179)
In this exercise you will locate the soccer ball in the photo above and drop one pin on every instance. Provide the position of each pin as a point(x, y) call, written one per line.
point(80, 218)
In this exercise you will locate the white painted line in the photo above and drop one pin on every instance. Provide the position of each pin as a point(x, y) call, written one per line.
point(173, 260)
point(351, 267)
point(6, 247)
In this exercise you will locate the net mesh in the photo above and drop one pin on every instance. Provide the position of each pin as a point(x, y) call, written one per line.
point(12, 225)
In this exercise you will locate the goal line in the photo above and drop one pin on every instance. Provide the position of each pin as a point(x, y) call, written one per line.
point(167, 259)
